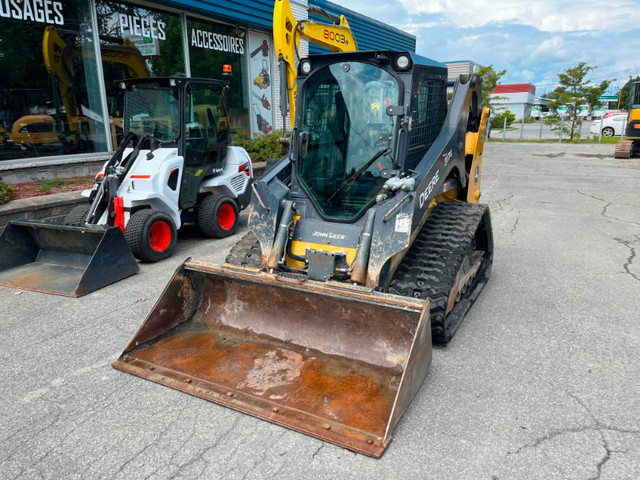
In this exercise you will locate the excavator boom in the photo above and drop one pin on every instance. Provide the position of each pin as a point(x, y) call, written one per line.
point(287, 33)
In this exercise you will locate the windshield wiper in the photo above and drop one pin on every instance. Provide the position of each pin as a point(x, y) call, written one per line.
point(349, 181)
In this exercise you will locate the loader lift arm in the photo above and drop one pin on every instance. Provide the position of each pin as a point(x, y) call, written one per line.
point(287, 33)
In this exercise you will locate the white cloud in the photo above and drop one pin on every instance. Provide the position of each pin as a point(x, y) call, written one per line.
point(545, 15)
point(550, 49)
point(527, 75)
point(415, 27)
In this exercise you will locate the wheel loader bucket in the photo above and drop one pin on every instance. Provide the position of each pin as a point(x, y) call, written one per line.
point(63, 259)
point(335, 361)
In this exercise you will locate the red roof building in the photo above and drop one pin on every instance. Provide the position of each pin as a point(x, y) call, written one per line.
point(515, 88)
point(517, 97)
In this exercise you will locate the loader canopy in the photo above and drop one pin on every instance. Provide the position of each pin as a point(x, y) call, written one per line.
point(351, 137)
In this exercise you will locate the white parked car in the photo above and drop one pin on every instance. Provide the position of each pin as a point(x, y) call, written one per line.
point(611, 126)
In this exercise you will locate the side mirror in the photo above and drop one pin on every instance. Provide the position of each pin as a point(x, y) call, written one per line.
point(303, 145)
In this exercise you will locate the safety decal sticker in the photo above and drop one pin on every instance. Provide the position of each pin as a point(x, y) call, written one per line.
point(403, 221)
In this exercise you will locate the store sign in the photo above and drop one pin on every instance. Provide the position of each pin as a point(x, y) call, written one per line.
point(41, 11)
point(148, 47)
point(216, 41)
point(135, 26)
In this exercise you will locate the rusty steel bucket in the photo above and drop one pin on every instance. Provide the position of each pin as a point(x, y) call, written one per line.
point(335, 361)
point(63, 259)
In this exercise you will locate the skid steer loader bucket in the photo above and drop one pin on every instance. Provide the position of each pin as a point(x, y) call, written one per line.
point(63, 259)
point(334, 361)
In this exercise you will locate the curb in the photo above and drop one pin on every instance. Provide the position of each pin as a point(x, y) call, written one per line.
point(56, 206)
point(46, 207)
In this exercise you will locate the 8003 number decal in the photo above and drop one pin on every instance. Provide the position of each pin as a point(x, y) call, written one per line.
point(335, 37)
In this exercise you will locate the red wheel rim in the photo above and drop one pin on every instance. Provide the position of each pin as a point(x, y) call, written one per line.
point(159, 236)
point(226, 217)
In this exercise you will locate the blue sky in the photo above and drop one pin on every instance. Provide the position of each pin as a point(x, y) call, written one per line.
point(532, 40)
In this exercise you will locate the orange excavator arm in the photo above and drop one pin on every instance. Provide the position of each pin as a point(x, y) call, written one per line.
point(287, 33)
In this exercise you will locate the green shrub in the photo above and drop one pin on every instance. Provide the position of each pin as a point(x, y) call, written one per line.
point(497, 120)
point(261, 147)
point(47, 184)
point(5, 192)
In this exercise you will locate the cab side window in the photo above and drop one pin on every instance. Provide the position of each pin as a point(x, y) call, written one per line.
point(206, 124)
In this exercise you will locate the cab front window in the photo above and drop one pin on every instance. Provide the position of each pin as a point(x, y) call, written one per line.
point(351, 137)
point(152, 108)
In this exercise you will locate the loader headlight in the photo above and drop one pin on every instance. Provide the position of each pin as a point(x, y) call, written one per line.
point(402, 62)
point(305, 67)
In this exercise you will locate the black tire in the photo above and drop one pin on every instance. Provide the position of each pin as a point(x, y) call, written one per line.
point(246, 253)
point(218, 216)
point(608, 132)
point(151, 235)
point(77, 214)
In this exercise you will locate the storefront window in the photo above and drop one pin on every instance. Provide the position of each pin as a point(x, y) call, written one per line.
point(211, 46)
point(49, 95)
point(136, 42)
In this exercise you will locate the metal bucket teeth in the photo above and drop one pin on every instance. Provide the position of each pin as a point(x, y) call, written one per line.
point(334, 361)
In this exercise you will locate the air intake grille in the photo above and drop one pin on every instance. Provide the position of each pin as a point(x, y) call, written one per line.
point(428, 111)
point(237, 182)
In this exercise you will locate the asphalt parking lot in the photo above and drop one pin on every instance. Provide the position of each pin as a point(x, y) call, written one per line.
point(541, 381)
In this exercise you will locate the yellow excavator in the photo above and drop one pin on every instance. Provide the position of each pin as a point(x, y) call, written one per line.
point(39, 130)
point(629, 147)
point(367, 241)
point(287, 33)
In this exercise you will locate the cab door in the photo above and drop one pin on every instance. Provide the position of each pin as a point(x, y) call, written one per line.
point(206, 137)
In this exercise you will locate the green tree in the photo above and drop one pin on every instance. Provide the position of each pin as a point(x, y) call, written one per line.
point(490, 80)
point(624, 93)
point(574, 90)
point(497, 121)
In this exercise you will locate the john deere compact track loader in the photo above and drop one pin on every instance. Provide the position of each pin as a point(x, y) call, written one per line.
point(365, 241)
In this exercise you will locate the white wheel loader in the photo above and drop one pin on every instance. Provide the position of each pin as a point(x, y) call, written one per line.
point(174, 166)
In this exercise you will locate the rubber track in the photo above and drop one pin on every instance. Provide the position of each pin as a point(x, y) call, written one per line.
point(246, 253)
point(627, 149)
point(430, 267)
